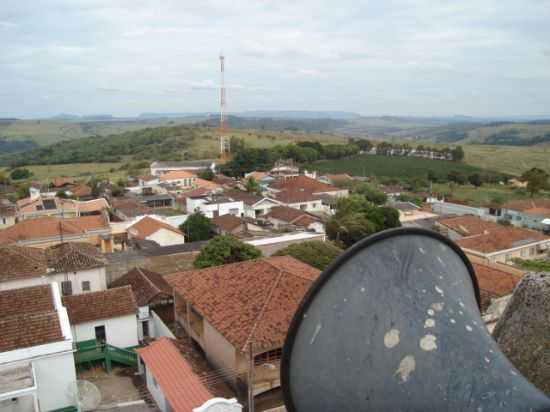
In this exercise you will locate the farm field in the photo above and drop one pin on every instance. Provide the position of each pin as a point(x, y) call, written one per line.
point(483, 195)
point(513, 160)
point(46, 173)
point(397, 167)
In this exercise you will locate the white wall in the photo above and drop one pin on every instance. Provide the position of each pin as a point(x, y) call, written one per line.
point(311, 206)
point(121, 331)
point(165, 237)
point(56, 381)
point(22, 404)
point(218, 350)
point(155, 391)
point(160, 329)
point(96, 277)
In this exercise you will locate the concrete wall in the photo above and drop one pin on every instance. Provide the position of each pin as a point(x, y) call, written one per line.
point(520, 219)
point(96, 277)
point(165, 237)
point(20, 404)
point(159, 326)
point(121, 331)
point(268, 250)
point(56, 378)
point(155, 391)
point(6, 221)
point(219, 351)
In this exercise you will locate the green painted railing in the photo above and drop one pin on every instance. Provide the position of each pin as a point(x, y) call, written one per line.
point(91, 351)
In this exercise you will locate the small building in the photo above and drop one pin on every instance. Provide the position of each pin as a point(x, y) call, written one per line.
point(458, 227)
point(48, 231)
point(161, 362)
point(37, 371)
point(7, 214)
point(254, 206)
point(242, 310)
point(158, 201)
point(76, 267)
point(193, 166)
point(306, 184)
point(531, 213)
point(154, 299)
point(505, 244)
point(151, 229)
point(283, 217)
point(105, 317)
point(179, 178)
point(128, 208)
point(301, 200)
point(214, 205)
point(236, 226)
point(410, 213)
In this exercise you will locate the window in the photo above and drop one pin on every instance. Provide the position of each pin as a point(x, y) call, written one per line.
point(66, 288)
point(3, 220)
point(523, 252)
point(303, 207)
point(234, 212)
point(100, 335)
point(145, 326)
point(86, 286)
point(531, 251)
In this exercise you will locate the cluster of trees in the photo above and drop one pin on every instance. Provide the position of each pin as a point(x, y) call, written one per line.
point(161, 143)
point(20, 174)
point(223, 250)
point(387, 148)
point(197, 227)
point(356, 218)
point(246, 159)
point(537, 180)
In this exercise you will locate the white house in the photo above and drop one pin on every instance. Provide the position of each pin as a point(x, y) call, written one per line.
point(153, 297)
point(213, 205)
point(37, 371)
point(254, 205)
point(76, 267)
point(107, 317)
point(160, 362)
point(194, 166)
point(149, 228)
point(179, 178)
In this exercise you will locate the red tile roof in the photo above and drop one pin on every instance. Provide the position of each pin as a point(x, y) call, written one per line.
point(227, 223)
point(494, 283)
point(51, 227)
point(304, 183)
point(29, 318)
point(296, 196)
point(247, 198)
point(501, 239)
point(74, 256)
point(469, 225)
point(131, 207)
point(252, 301)
point(176, 175)
point(291, 215)
point(104, 304)
point(145, 284)
point(20, 262)
point(182, 388)
point(147, 226)
point(62, 181)
point(81, 190)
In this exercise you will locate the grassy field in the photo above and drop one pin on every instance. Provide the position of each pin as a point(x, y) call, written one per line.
point(46, 173)
point(385, 166)
point(512, 160)
point(482, 195)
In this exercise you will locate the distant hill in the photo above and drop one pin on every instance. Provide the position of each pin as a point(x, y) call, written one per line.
point(299, 114)
point(279, 123)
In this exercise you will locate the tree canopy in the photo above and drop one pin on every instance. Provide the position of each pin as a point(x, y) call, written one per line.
point(197, 227)
point(19, 174)
point(372, 194)
point(356, 218)
point(537, 180)
point(225, 249)
point(315, 253)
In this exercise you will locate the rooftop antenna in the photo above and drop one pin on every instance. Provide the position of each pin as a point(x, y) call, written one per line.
point(224, 139)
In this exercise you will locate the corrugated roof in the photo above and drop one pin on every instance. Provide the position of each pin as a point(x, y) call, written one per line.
point(181, 387)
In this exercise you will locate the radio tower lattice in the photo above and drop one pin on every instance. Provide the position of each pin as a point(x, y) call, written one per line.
point(224, 139)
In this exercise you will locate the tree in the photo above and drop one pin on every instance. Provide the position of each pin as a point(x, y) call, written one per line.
point(457, 153)
point(19, 174)
point(432, 177)
point(475, 179)
point(4, 180)
point(62, 194)
point(197, 227)
point(537, 180)
point(315, 253)
point(206, 174)
point(372, 193)
point(356, 218)
point(457, 177)
point(252, 186)
point(223, 250)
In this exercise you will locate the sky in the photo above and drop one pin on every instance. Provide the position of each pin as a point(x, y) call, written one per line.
point(386, 57)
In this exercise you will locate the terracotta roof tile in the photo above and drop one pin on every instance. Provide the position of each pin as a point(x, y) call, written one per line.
point(145, 284)
point(501, 239)
point(247, 198)
point(494, 283)
point(469, 225)
point(29, 318)
point(74, 256)
point(296, 196)
point(131, 207)
point(182, 388)
point(50, 227)
point(104, 304)
point(175, 175)
point(291, 215)
point(248, 301)
point(81, 190)
point(62, 181)
point(227, 223)
point(528, 204)
point(146, 226)
point(206, 184)
point(20, 262)
point(304, 183)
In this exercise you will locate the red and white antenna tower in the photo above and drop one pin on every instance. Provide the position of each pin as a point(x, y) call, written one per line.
point(224, 140)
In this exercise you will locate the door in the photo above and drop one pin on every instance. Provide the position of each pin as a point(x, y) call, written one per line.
point(145, 326)
point(100, 335)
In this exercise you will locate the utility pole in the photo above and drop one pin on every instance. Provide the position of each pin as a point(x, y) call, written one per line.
point(250, 379)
